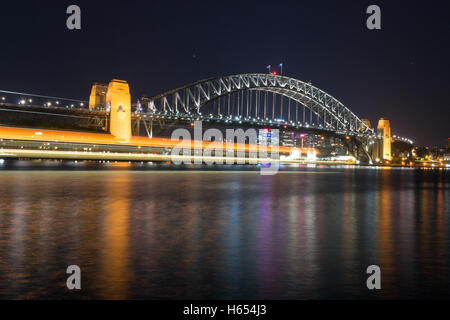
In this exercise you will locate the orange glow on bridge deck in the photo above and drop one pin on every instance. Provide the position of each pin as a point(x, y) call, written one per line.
point(102, 138)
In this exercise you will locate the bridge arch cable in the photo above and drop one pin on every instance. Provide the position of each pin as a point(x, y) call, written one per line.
point(23, 94)
point(254, 111)
point(191, 98)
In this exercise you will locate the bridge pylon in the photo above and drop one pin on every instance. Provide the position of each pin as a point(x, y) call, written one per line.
point(118, 100)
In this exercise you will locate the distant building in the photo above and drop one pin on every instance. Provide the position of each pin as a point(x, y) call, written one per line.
point(265, 137)
point(97, 99)
point(446, 159)
point(437, 152)
point(287, 139)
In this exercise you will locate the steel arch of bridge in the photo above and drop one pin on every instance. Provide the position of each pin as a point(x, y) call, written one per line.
point(189, 99)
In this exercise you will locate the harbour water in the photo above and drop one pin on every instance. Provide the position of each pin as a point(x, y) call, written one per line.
point(304, 233)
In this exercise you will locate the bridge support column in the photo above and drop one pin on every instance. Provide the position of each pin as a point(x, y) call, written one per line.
point(97, 99)
point(384, 140)
point(119, 101)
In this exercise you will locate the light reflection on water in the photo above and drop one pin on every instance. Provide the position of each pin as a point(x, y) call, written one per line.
point(301, 234)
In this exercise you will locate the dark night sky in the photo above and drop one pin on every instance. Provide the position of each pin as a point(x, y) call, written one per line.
point(400, 72)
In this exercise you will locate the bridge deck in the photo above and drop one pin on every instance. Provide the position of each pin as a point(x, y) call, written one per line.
point(13, 133)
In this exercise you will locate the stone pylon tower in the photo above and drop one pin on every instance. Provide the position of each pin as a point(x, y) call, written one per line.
point(118, 100)
point(384, 139)
point(97, 99)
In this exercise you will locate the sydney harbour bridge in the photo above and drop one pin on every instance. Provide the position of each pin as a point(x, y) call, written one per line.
point(244, 100)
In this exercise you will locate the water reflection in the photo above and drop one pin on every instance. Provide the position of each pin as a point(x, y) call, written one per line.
point(309, 233)
point(115, 247)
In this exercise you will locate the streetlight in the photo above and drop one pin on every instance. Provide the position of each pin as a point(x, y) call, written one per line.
point(281, 68)
point(269, 67)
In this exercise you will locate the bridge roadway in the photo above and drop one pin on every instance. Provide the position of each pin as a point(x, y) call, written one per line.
point(57, 144)
point(99, 156)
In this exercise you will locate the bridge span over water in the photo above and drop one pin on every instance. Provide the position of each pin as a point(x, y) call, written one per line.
point(246, 100)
